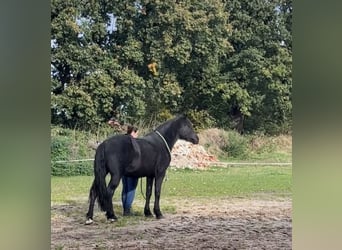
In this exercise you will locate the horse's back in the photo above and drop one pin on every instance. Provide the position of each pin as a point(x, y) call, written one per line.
point(116, 142)
point(119, 152)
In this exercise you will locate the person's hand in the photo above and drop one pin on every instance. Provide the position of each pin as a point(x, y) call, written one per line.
point(113, 123)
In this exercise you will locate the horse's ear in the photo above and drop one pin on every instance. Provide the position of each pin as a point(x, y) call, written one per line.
point(184, 115)
point(181, 116)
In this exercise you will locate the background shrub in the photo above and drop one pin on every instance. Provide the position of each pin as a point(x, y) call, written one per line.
point(201, 119)
point(236, 145)
point(68, 145)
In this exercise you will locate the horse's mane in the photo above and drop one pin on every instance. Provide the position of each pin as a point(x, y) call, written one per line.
point(171, 121)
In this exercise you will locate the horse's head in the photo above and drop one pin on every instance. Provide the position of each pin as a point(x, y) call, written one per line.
point(186, 131)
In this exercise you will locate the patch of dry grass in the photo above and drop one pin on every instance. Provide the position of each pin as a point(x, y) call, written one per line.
point(217, 141)
point(213, 140)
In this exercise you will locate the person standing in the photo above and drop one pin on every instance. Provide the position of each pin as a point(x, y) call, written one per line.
point(129, 184)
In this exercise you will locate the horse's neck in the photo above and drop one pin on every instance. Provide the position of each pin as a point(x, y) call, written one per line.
point(171, 138)
point(170, 132)
point(172, 142)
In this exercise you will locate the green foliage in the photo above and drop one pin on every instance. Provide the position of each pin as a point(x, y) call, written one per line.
point(72, 169)
point(201, 119)
point(60, 148)
point(66, 145)
point(236, 145)
point(164, 115)
point(230, 61)
point(260, 64)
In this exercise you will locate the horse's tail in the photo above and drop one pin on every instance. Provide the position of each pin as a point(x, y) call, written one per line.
point(100, 178)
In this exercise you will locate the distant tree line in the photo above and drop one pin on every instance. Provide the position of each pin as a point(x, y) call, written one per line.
point(225, 63)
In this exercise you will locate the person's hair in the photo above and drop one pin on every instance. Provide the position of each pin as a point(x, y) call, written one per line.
point(131, 128)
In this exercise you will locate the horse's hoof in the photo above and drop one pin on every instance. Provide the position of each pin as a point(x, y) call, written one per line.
point(148, 213)
point(160, 217)
point(89, 221)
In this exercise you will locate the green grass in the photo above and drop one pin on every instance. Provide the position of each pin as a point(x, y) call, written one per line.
point(261, 157)
point(228, 182)
point(270, 157)
point(212, 183)
point(181, 187)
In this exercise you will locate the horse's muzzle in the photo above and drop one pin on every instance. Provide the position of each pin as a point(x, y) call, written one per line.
point(195, 140)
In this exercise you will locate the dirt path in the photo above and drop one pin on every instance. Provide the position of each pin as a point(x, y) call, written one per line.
point(217, 224)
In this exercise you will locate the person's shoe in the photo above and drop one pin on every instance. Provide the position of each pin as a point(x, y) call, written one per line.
point(127, 212)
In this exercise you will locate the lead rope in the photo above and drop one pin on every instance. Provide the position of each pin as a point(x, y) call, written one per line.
point(167, 146)
point(142, 193)
point(141, 189)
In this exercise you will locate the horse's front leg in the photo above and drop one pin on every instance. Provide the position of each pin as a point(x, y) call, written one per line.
point(149, 184)
point(157, 191)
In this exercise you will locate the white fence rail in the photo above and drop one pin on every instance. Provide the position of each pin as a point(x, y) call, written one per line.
point(215, 163)
point(250, 163)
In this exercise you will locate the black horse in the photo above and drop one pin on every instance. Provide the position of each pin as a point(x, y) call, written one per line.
point(115, 155)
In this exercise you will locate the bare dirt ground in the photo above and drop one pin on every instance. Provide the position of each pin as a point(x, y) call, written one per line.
point(196, 224)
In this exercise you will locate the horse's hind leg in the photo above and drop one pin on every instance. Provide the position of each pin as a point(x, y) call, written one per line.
point(112, 185)
point(149, 184)
point(92, 198)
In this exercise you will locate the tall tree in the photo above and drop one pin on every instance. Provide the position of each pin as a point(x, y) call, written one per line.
point(257, 74)
point(226, 62)
point(181, 43)
point(82, 88)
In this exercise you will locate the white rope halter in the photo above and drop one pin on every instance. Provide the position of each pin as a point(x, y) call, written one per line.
point(167, 146)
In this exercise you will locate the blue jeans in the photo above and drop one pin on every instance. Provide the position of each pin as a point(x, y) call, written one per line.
point(129, 184)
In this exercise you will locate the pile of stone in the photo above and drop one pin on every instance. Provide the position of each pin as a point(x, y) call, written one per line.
point(187, 155)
